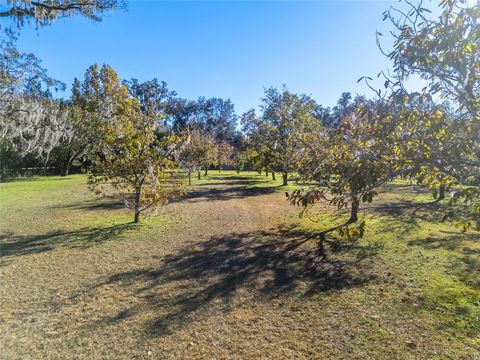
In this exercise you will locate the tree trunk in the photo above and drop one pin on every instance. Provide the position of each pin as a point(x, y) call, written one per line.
point(206, 172)
point(189, 178)
point(65, 167)
point(285, 178)
point(441, 193)
point(238, 171)
point(273, 176)
point(70, 159)
point(199, 175)
point(354, 209)
point(136, 218)
point(266, 172)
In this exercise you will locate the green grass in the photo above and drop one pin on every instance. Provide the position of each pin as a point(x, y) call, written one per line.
point(230, 271)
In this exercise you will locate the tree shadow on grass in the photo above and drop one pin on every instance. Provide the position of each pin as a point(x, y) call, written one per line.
point(92, 205)
point(224, 193)
point(229, 183)
point(16, 180)
point(12, 245)
point(235, 178)
point(260, 264)
point(410, 211)
point(466, 264)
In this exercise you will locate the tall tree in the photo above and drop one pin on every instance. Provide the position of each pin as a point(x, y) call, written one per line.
point(445, 52)
point(346, 164)
point(180, 114)
point(217, 117)
point(135, 158)
point(154, 96)
point(198, 149)
point(30, 120)
point(281, 134)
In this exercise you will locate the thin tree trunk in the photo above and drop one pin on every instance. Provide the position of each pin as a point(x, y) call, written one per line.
point(285, 178)
point(136, 219)
point(273, 176)
point(66, 167)
point(189, 178)
point(65, 171)
point(354, 209)
point(441, 193)
point(266, 172)
point(206, 171)
point(199, 175)
point(64, 163)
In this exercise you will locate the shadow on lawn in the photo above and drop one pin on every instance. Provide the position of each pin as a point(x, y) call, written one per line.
point(465, 262)
point(224, 193)
point(229, 183)
point(261, 264)
point(410, 211)
point(238, 178)
point(92, 205)
point(466, 265)
point(19, 245)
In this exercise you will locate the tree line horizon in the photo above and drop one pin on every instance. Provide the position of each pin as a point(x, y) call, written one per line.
point(135, 139)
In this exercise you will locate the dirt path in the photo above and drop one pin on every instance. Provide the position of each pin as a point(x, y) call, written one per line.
point(59, 293)
point(221, 208)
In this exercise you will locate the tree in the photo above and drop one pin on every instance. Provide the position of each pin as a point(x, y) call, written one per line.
point(180, 114)
point(134, 158)
point(278, 138)
point(30, 120)
point(198, 149)
point(43, 12)
point(34, 126)
point(217, 117)
point(22, 73)
point(223, 154)
point(154, 96)
point(257, 151)
point(445, 53)
point(93, 106)
point(346, 164)
point(344, 108)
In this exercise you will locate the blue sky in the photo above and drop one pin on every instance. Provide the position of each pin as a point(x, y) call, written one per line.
point(226, 49)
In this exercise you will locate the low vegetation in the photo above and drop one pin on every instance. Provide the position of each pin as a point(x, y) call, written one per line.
point(383, 261)
point(232, 281)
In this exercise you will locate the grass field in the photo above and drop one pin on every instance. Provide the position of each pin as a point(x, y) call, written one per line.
point(230, 271)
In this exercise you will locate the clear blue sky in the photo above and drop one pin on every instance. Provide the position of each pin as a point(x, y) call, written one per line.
point(226, 49)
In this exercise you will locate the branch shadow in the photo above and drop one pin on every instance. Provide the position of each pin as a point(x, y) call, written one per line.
point(12, 245)
point(406, 216)
point(229, 183)
point(466, 266)
point(235, 178)
point(224, 193)
point(410, 210)
point(92, 205)
point(261, 264)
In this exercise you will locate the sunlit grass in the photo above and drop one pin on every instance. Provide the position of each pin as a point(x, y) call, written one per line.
point(218, 273)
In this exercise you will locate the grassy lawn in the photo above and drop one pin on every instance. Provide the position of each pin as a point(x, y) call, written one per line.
point(230, 271)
